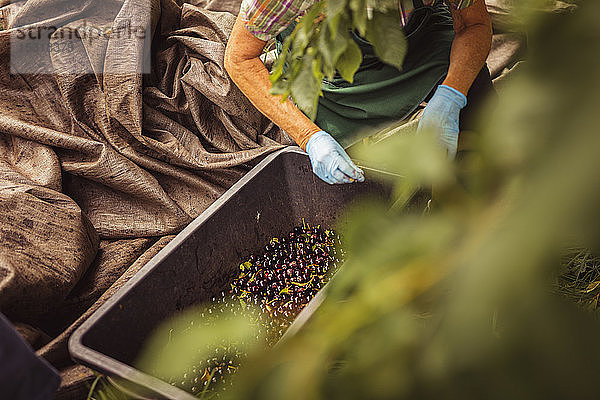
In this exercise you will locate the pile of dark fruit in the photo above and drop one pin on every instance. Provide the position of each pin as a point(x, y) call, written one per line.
point(288, 274)
point(278, 284)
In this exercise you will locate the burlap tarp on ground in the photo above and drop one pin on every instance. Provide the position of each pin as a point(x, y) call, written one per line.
point(101, 164)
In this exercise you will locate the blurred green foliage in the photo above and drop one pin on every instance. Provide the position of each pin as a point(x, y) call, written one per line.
point(459, 303)
point(321, 45)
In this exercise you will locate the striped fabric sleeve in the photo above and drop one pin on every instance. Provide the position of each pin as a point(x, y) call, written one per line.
point(265, 19)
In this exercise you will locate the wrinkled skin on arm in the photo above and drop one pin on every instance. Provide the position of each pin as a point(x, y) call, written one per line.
point(248, 72)
point(471, 45)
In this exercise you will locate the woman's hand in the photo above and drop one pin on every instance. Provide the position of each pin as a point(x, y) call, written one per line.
point(441, 116)
point(329, 160)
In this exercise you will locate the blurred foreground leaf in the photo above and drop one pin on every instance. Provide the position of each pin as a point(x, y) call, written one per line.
point(459, 303)
point(191, 337)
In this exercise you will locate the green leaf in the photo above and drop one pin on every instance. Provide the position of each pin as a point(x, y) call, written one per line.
point(318, 73)
point(349, 61)
point(333, 23)
point(245, 265)
point(277, 70)
point(331, 49)
point(383, 5)
point(308, 20)
point(281, 88)
point(359, 15)
point(306, 88)
point(386, 36)
point(301, 40)
point(335, 7)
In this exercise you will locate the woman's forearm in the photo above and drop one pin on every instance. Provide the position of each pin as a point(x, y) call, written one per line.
point(471, 46)
point(247, 71)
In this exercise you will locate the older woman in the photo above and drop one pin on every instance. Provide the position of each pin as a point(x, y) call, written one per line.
point(448, 43)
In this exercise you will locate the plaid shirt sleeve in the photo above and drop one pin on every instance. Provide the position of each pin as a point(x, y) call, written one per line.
point(265, 19)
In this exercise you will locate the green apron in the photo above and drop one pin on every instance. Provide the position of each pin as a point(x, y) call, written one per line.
point(382, 94)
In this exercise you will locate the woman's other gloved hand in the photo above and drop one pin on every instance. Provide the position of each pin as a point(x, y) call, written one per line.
point(329, 160)
point(441, 116)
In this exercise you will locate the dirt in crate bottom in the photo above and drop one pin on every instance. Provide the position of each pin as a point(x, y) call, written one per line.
point(278, 283)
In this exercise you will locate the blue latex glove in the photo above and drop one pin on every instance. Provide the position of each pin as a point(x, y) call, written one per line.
point(329, 160)
point(441, 116)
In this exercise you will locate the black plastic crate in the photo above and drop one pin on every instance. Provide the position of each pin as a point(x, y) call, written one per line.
point(198, 264)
